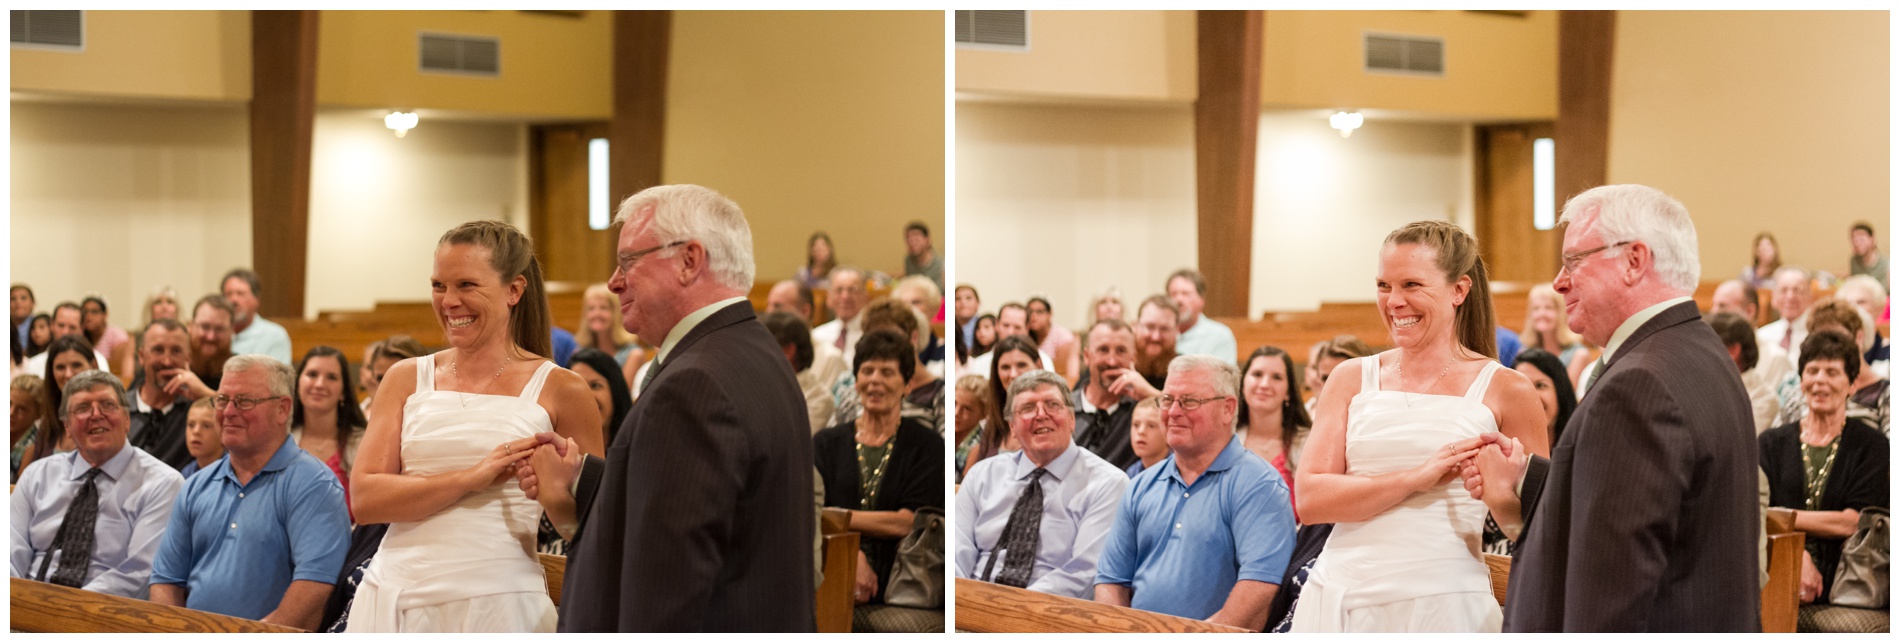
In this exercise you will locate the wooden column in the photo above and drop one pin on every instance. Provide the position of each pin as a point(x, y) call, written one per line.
point(638, 131)
point(1586, 42)
point(1226, 119)
point(283, 111)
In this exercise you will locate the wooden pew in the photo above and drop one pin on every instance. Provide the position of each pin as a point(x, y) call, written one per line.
point(1781, 597)
point(836, 597)
point(988, 607)
point(555, 567)
point(43, 607)
point(1500, 574)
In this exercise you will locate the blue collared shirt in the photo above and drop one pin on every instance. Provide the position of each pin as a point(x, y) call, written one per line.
point(136, 492)
point(1182, 548)
point(237, 547)
point(263, 337)
point(1081, 493)
point(1209, 337)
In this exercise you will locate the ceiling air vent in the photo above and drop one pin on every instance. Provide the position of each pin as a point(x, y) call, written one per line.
point(469, 55)
point(993, 29)
point(1412, 55)
point(43, 29)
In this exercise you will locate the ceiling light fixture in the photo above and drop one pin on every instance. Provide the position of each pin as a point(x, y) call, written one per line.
point(402, 122)
point(1346, 122)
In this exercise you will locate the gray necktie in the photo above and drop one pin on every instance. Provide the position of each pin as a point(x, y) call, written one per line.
point(1022, 536)
point(648, 379)
point(74, 540)
point(1596, 371)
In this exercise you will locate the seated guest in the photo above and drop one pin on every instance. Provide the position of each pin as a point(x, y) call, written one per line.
point(601, 329)
point(253, 334)
point(819, 262)
point(1147, 435)
point(827, 361)
point(1827, 466)
point(111, 341)
point(20, 306)
point(92, 518)
point(1270, 401)
point(923, 296)
point(919, 257)
point(325, 421)
point(1012, 320)
point(1058, 342)
point(1869, 400)
point(1155, 338)
point(262, 533)
point(1199, 335)
point(382, 356)
point(1866, 293)
point(1107, 305)
point(983, 334)
point(967, 303)
point(795, 339)
point(1327, 356)
point(1107, 399)
point(38, 336)
point(882, 467)
point(1207, 533)
point(973, 404)
point(67, 358)
point(161, 304)
point(1044, 511)
point(1739, 337)
point(23, 414)
point(1014, 356)
point(1547, 327)
point(846, 296)
point(923, 396)
point(156, 401)
point(202, 437)
point(1552, 384)
point(65, 322)
point(1794, 293)
point(211, 345)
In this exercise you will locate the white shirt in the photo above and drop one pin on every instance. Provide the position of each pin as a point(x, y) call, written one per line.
point(980, 365)
point(1771, 335)
point(1081, 495)
point(827, 334)
point(136, 492)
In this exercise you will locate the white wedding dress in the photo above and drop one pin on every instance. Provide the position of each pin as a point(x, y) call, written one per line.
point(470, 567)
point(1417, 567)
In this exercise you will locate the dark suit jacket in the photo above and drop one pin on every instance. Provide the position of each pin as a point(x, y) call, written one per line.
point(702, 518)
point(1648, 518)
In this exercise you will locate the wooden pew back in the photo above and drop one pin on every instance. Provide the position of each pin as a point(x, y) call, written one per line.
point(1781, 597)
point(988, 607)
point(44, 607)
point(1500, 574)
point(555, 568)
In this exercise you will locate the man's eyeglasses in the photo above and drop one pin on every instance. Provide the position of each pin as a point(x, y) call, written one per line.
point(624, 262)
point(243, 403)
point(88, 410)
point(1187, 403)
point(1573, 259)
point(1028, 410)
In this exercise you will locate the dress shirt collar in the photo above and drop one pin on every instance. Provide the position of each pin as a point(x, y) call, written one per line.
point(114, 467)
point(690, 322)
point(1228, 456)
point(1083, 405)
point(1636, 321)
point(1058, 468)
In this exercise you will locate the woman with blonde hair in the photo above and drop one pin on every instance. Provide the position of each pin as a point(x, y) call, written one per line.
point(601, 330)
point(1546, 326)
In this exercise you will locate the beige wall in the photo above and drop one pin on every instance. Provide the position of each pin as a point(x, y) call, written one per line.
point(1063, 201)
point(551, 66)
point(378, 203)
point(196, 55)
point(1118, 55)
point(1496, 67)
point(1323, 204)
point(120, 200)
point(813, 121)
point(1756, 121)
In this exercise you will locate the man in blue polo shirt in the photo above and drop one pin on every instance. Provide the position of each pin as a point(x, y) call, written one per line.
point(263, 532)
point(1205, 534)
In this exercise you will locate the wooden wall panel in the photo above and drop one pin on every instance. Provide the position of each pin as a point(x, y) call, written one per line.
point(1226, 123)
point(283, 114)
point(1513, 248)
point(641, 43)
point(569, 249)
point(1586, 42)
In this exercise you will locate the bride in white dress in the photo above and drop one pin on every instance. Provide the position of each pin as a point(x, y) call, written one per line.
point(1389, 433)
point(438, 460)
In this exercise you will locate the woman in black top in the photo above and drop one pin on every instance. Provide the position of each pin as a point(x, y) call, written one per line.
point(880, 466)
point(1826, 466)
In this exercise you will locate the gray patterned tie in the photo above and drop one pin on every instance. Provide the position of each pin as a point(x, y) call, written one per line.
point(74, 540)
point(648, 379)
point(1596, 371)
point(1022, 536)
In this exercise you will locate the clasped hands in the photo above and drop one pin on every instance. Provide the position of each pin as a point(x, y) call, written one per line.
point(1491, 475)
point(545, 461)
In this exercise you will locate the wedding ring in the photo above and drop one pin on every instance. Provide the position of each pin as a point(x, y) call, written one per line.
point(509, 448)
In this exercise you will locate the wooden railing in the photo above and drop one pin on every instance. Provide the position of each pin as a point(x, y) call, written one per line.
point(43, 607)
point(988, 607)
point(1781, 597)
point(837, 594)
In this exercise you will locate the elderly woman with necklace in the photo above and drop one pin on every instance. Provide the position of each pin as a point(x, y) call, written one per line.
point(881, 466)
point(1827, 466)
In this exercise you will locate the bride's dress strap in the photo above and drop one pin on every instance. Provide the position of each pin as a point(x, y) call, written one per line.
point(1482, 382)
point(1369, 373)
point(425, 374)
point(532, 391)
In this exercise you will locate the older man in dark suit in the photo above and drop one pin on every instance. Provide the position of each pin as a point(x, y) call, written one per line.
point(1645, 516)
point(701, 517)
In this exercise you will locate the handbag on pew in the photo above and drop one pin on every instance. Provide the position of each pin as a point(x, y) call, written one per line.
point(917, 575)
point(1861, 580)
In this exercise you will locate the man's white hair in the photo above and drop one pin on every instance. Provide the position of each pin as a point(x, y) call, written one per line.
point(1226, 375)
point(279, 377)
point(694, 213)
point(1643, 214)
point(1863, 283)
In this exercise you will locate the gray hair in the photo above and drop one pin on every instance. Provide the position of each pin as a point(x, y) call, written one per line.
point(89, 381)
point(1226, 375)
point(1864, 283)
point(833, 275)
point(694, 213)
point(922, 283)
point(1639, 213)
point(1036, 379)
point(1797, 271)
point(278, 376)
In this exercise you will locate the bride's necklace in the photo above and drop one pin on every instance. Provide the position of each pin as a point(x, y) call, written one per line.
point(455, 368)
point(1428, 388)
